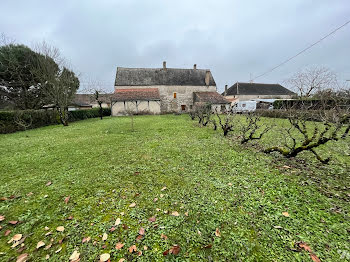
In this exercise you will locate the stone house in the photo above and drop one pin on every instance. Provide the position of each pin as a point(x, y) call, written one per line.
point(162, 90)
point(250, 91)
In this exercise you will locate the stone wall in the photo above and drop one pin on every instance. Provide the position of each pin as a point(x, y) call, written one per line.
point(184, 96)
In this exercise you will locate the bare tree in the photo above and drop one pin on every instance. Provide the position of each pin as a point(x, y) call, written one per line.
point(309, 129)
point(5, 40)
point(226, 121)
point(253, 128)
point(312, 80)
point(58, 82)
point(97, 93)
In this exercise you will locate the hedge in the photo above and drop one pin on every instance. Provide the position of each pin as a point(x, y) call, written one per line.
point(12, 121)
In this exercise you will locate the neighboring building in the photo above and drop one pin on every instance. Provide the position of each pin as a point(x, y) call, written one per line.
point(136, 100)
point(250, 91)
point(87, 101)
point(175, 89)
point(218, 102)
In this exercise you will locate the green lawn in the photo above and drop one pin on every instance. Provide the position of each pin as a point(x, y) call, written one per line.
point(213, 183)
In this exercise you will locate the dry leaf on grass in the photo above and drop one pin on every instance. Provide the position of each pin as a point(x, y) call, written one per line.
point(217, 232)
point(104, 237)
point(133, 248)
point(2, 218)
point(132, 205)
point(286, 214)
point(22, 258)
point(13, 222)
point(75, 256)
point(48, 183)
point(163, 188)
point(119, 246)
point(163, 236)
point(175, 214)
point(58, 250)
point(145, 247)
point(66, 200)
point(60, 228)
point(86, 239)
point(121, 260)
point(40, 244)
point(7, 232)
point(104, 257)
point(175, 249)
point(138, 238)
point(16, 237)
point(117, 222)
point(306, 247)
point(155, 199)
point(142, 231)
point(152, 219)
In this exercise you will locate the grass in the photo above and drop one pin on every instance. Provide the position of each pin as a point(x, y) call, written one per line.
point(212, 182)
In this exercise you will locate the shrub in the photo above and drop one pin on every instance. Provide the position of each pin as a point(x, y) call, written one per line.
point(12, 121)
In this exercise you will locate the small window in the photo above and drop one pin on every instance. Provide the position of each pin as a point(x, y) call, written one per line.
point(191, 106)
point(175, 95)
point(183, 107)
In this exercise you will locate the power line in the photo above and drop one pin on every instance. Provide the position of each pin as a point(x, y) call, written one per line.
point(302, 51)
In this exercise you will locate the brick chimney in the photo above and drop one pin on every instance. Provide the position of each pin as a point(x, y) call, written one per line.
point(225, 93)
point(195, 66)
point(164, 65)
point(207, 77)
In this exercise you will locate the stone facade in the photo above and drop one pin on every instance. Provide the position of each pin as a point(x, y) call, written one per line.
point(138, 107)
point(176, 98)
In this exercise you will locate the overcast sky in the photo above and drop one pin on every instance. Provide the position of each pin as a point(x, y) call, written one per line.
point(232, 38)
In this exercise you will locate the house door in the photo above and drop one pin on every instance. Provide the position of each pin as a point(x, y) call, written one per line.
point(183, 107)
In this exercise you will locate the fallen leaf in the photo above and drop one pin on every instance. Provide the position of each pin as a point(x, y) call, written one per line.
point(117, 222)
point(40, 244)
point(17, 237)
point(166, 252)
point(163, 188)
point(314, 257)
point(286, 167)
point(132, 205)
point(70, 218)
point(125, 227)
point(13, 222)
point(175, 249)
point(208, 246)
point(66, 200)
point(152, 219)
point(217, 232)
point(22, 258)
point(60, 228)
point(30, 193)
point(175, 213)
point(163, 236)
point(286, 214)
point(145, 247)
point(86, 239)
point(142, 231)
point(161, 195)
point(104, 257)
point(155, 199)
point(112, 229)
point(121, 260)
point(138, 238)
point(139, 253)
point(7, 232)
point(48, 233)
point(122, 213)
point(58, 250)
point(230, 184)
point(48, 183)
point(3, 198)
point(119, 246)
point(306, 247)
point(48, 246)
point(47, 228)
point(75, 256)
point(133, 248)
point(104, 237)
point(47, 256)
point(2, 218)
point(186, 214)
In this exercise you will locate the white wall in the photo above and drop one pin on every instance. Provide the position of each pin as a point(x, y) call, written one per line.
point(121, 108)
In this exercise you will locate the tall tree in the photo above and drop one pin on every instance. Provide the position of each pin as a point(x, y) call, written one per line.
point(18, 82)
point(59, 83)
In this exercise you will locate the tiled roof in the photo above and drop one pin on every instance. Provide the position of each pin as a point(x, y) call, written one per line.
point(209, 97)
point(146, 94)
point(88, 99)
point(160, 76)
point(258, 89)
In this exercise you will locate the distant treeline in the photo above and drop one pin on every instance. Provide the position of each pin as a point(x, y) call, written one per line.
point(314, 104)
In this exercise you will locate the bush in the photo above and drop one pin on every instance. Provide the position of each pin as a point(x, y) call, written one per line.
point(12, 121)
